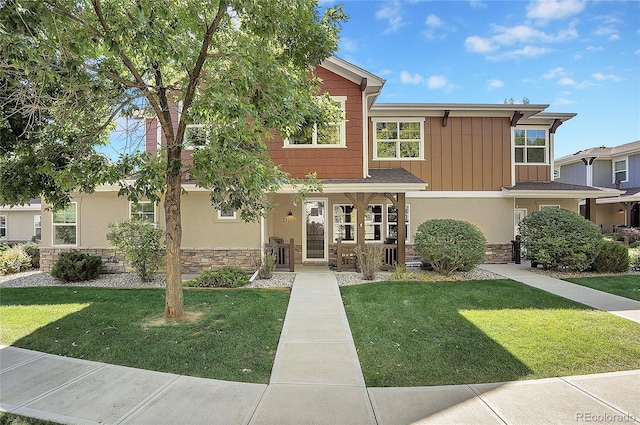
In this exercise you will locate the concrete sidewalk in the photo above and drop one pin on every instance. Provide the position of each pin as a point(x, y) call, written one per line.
point(316, 379)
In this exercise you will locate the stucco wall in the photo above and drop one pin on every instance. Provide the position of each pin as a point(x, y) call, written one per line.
point(19, 224)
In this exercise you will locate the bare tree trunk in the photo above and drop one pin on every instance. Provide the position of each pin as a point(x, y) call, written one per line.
point(174, 304)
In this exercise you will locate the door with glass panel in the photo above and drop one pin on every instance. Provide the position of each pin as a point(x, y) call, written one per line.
point(314, 232)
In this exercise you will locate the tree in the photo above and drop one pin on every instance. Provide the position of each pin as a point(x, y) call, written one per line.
point(240, 69)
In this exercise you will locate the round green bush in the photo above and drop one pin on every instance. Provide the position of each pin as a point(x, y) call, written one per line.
point(225, 277)
point(558, 238)
point(76, 266)
point(448, 245)
point(612, 258)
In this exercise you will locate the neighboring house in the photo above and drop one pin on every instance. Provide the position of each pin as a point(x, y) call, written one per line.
point(386, 168)
point(20, 223)
point(610, 167)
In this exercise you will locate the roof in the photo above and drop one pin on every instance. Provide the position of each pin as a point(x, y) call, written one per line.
point(630, 195)
point(557, 190)
point(32, 205)
point(369, 83)
point(602, 152)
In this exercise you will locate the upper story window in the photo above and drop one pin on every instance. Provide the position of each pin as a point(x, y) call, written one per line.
point(195, 136)
point(398, 139)
point(143, 211)
point(531, 146)
point(65, 225)
point(328, 135)
point(620, 167)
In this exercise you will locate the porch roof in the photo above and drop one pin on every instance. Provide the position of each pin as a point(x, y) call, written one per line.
point(557, 190)
point(380, 180)
point(629, 195)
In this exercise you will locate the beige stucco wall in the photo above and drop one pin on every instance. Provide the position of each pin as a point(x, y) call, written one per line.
point(608, 216)
point(20, 224)
point(533, 205)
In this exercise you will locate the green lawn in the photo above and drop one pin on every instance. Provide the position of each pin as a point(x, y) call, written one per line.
point(234, 338)
point(421, 333)
point(627, 286)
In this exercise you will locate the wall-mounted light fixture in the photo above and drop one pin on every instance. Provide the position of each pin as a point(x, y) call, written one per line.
point(621, 211)
point(290, 217)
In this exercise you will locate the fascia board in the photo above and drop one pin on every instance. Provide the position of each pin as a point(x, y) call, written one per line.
point(562, 194)
point(8, 208)
point(455, 109)
point(351, 72)
point(361, 188)
point(617, 200)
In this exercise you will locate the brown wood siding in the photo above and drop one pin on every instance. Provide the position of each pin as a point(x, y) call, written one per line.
point(470, 153)
point(533, 173)
point(328, 163)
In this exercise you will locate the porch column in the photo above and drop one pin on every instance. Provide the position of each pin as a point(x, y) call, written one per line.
point(401, 207)
point(590, 209)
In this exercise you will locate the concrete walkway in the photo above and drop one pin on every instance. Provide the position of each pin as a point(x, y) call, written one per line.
point(316, 379)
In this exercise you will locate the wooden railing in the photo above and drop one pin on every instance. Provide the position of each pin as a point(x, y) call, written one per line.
point(346, 257)
point(284, 254)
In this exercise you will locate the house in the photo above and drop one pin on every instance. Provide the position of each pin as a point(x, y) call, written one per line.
point(386, 168)
point(20, 223)
point(608, 167)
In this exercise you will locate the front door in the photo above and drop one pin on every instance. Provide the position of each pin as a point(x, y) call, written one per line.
point(519, 215)
point(314, 232)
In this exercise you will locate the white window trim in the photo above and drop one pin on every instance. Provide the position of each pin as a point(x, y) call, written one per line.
point(543, 206)
point(37, 219)
point(155, 220)
point(624, 159)
point(374, 223)
point(5, 227)
point(54, 224)
point(407, 208)
point(189, 147)
point(226, 217)
point(314, 142)
point(353, 224)
point(546, 148)
point(398, 120)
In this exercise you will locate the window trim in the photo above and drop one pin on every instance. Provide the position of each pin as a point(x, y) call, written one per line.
point(397, 120)
point(155, 220)
point(4, 219)
point(54, 225)
point(352, 224)
point(232, 217)
point(37, 224)
point(525, 147)
point(543, 206)
point(624, 159)
point(374, 223)
point(188, 147)
point(314, 137)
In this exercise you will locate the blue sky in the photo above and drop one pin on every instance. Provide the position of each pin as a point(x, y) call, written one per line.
point(577, 56)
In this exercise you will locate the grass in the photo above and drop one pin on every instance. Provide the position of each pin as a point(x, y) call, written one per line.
point(232, 334)
point(11, 419)
point(417, 333)
point(627, 286)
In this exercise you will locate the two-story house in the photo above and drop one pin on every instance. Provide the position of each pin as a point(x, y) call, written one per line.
point(385, 168)
point(608, 167)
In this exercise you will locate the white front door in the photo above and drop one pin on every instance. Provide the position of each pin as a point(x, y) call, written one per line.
point(314, 245)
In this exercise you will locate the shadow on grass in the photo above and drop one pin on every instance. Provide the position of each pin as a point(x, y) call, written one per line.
point(234, 339)
point(419, 334)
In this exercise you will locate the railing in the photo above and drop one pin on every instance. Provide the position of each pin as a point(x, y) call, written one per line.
point(284, 254)
point(346, 256)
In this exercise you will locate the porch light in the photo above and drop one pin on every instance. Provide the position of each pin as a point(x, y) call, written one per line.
point(290, 217)
point(621, 211)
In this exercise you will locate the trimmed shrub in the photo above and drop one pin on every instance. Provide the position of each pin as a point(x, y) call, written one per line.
point(225, 277)
point(558, 238)
point(33, 251)
point(369, 260)
point(612, 258)
point(14, 260)
point(449, 245)
point(75, 266)
point(268, 263)
point(140, 243)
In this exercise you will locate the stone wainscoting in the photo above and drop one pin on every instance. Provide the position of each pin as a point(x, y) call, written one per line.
point(499, 253)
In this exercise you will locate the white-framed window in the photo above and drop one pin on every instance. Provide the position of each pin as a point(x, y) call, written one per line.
point(541, 207)
point(392, 222)
point(143, 211)
point(373, 223)
point(531, 146)
point(227, 215)
point(620, 167)
point(65, 225)
point(398, 138)
point(3, 226)
point(37, 226)
point(344, 222)
point(195, 136)
point(328, 135)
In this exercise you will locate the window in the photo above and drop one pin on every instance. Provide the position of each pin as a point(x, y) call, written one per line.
point(399, 139)
point(344, 222)
point(3, 226)
point(327, 135)
point(37, 226)
point(373, 223)
point(542, 207)
point(143, 211)
point(65, 225)
point(226, 215)
point(620, 170)
point(195, 136)
point(531, 146)
point(392, 222)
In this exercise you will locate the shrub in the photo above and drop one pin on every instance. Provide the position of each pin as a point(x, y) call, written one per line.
point(140, 243)
point(558, 238)
point(612, 258)
point(448, 245)
point(369, 260)
point(32, 249)
point(630, 233)
point(75, 266)
point(225, 277)
point(14, 260)
point(635, 244)
point(267, 263)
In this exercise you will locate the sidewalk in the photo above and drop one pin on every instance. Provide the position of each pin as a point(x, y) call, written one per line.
point(316, 379)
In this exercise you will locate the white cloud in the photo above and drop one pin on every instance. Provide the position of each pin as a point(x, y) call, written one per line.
point(605, 77)
point(495, 84)
point(348, 44)
point(554, 73)
point(525, 52)
point(566, 81)
point(477, 44)
point(437, 82)
point(393, 15)
point(409, 78)
point(434, 21)
point(477, 4)
point(549, 10)
point(385, 71)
